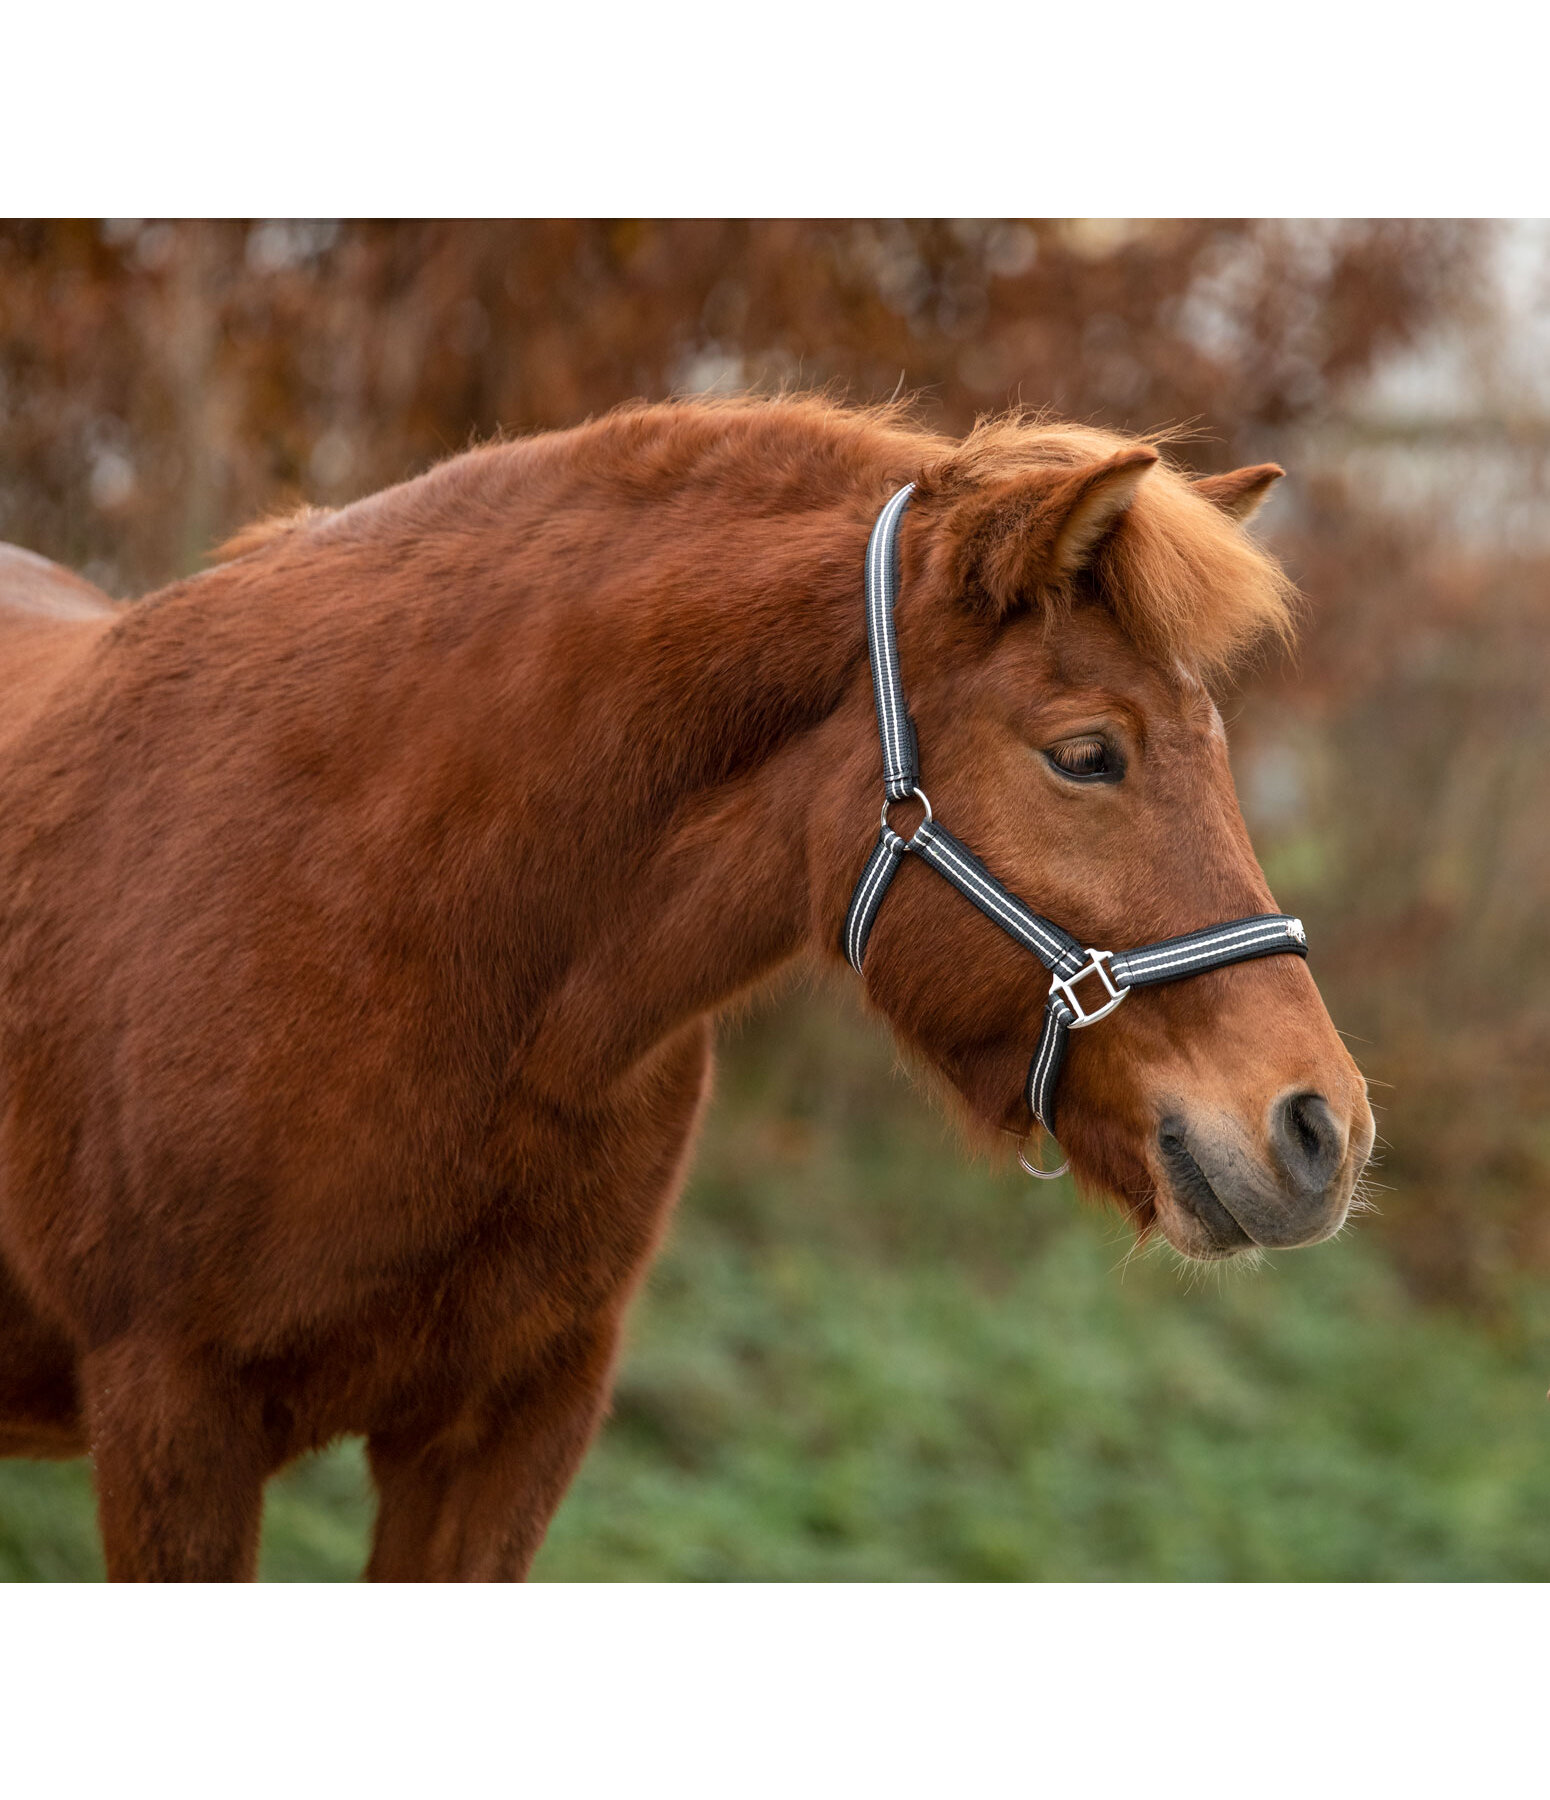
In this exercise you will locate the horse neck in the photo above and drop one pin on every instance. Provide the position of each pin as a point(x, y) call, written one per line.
point(652, 699)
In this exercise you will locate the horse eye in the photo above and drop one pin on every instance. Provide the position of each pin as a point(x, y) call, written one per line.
point(1086, 759)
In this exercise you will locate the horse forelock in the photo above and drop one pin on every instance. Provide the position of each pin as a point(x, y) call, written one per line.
point(1183, 578)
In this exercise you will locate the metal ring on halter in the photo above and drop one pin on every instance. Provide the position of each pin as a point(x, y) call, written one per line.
point(916, 793)
point(1036, 1173)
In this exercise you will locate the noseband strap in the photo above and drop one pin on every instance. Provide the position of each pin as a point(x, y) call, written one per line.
point(1086, 985)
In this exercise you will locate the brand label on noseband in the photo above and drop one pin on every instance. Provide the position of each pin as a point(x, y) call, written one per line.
point(1104, 977)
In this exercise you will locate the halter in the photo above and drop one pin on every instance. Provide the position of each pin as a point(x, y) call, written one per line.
point(1069, 964)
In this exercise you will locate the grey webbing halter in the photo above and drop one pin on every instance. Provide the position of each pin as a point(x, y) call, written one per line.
point(1170, 959)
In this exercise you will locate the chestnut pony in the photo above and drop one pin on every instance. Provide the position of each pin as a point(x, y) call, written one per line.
point(365, 903)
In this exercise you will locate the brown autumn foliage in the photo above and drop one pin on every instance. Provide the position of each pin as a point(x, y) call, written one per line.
point(164, 381)
point(161, 383)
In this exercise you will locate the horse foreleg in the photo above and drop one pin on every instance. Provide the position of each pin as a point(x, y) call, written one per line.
point(39, 1411)
point(180, 1457)
point(473, 1504)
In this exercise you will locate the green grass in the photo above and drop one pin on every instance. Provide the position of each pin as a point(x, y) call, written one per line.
point(864, 1357)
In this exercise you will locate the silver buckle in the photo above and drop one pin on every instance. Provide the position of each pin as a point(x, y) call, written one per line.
point(1067, 989)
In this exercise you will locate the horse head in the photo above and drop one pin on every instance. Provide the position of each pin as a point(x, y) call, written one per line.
point(1067, 601)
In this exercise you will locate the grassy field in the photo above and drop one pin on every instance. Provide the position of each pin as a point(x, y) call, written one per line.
point(864, 1357)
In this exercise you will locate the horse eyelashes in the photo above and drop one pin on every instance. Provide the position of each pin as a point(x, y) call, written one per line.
point(1087, 759)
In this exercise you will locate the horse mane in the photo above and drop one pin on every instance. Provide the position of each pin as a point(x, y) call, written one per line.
point(259, 532)
point(1184, 579)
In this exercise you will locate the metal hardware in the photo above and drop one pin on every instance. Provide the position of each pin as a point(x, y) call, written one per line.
point(1066, 989)
point(916, 793)
point(1033, 1169)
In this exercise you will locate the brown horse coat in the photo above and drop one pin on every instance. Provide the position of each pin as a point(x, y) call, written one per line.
point(365, 902)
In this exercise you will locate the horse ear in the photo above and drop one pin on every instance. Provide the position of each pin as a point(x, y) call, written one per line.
point(1097, 498)
point(1242, 493)
point(1044, 528)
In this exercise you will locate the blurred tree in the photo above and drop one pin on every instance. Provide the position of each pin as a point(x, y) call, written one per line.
point(161, 382)
point(1412, 837)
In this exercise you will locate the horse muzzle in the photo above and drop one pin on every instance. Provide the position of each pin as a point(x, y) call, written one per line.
point(1222, 1189)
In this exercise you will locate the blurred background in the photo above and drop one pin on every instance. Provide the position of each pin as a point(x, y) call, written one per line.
point(863, 1355)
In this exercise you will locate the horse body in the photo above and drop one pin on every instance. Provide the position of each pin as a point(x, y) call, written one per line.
point(365, 900)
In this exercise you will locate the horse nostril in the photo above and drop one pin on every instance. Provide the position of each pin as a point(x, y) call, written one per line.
point(1307, 1141)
